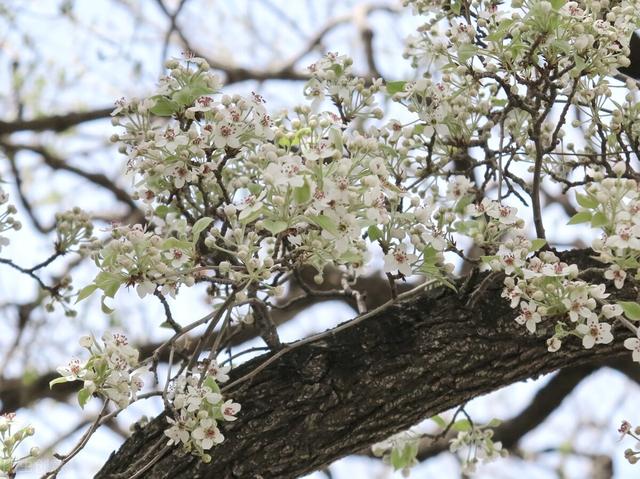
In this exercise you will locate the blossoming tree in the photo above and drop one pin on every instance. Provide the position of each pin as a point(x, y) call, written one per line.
point(270, 210)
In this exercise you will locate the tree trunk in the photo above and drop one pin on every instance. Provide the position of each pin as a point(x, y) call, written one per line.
point(336, 396)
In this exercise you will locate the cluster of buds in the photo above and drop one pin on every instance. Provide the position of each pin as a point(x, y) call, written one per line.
point(10, 439)
point(332, 77)
point(7, 219)
point(478, 442)
point(626, 429)
point(73, 228)
point(112, 370)
point(198, 408)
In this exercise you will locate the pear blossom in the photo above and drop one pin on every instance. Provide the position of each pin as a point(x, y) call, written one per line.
point(207, 434)
point(616, 274)
point(594, 333)
point(528, 315)
point(229, 410)
point(633, 344)
point(399, 260)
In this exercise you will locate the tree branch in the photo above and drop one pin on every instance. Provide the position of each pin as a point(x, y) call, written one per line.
point(336, 396)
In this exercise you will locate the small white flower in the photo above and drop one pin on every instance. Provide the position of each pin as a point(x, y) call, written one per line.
point(553, 344)
point(73, 371)
point(529, 316)
point(145, 288)
point(399, 260)
point(633, 344)
point(207, 434)
point(176, 433)
point(229, 410)
point(616, 274)
point(594, 333)
point(218, 372)
point(611, 310)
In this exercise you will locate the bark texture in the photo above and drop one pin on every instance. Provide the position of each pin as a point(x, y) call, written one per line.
point(334, 397)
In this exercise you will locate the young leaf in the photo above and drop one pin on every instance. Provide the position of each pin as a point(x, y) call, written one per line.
point(598, 219)
point(582, 217)
point(374, 233)
point(83, 396)
point(586, 201)
point(462, 425)
point(86, 292)
point(325, 223)
point(164, 107)
point(302, 194)
point(440, 422)
point(395, 86)
point(537, 243)
point(57, 381)
point(275, 227)
point(631, 309)
point(200, 226)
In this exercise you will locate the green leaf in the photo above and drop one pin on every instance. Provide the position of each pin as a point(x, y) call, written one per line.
point(462, 425)
point(403, 456)
point(335, 135)
point(187, 95)
point(599, 219)
point(86, 292)
point(466, 51)
point(250, 213)
point(57, 381)
point(284, 141)
point(299, 134)
point(430, 254)
point(374, 233)
point(440, 422)
point(494, 423)
point(586, 201)
point(175, 243)
point(103, 306)
point(302, 194)
point(395, 86)
point(275, 226)
point(109, 283)
point(83, 396)
point(200, 226)
point(325, 223)
point(211, 384)
point(537, 243)
point(631, 309)
point(582, 217)
point(164, 106)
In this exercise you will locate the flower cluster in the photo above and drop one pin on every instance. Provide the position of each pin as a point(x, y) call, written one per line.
point(73, 228)
point(478, 443)
point(543, 287)
point(198, 408)
point(613, 205)
point(7, 220)
point(112, 370)
point(626, 429)
point(400, 451)
point(141, 258)
point(332, 77)
point(10, 439)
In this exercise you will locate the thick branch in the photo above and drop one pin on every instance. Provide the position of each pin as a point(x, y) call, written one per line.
point(335, 396)
point(54, 122)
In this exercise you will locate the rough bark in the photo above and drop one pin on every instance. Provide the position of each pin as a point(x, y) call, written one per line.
point(336, 396)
